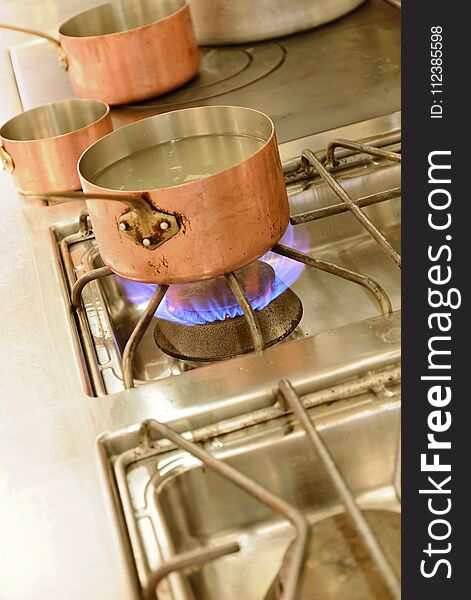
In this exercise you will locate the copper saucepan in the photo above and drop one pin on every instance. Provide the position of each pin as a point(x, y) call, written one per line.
point(127, 51)
point(41, 146)
point(203, 194)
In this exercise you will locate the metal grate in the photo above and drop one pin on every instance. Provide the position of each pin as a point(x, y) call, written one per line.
point(155, 438)
point(310, 165)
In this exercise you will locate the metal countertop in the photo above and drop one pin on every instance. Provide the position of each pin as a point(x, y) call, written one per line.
point(57, 536)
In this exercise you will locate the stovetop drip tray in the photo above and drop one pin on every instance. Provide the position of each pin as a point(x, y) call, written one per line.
point(174, 506)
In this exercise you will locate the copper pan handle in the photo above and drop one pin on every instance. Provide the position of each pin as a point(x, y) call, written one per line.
point(6, 160)
point(142, 222)
point(60, 51)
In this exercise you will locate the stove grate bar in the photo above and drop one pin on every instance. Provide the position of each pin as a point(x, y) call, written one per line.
point(291, 400)
point(138, 333)
point(82, 281)
point(84, 232)
point(291, 513)
point(367, 282)
point(249, 313)
point(336, 209)
point(187, 560)
point(288, 401)
point(311, 159)
point(358, 147)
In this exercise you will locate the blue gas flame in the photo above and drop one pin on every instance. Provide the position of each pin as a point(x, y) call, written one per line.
point(208, 310)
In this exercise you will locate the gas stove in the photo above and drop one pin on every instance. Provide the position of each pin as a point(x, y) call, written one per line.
point(327, 270)
point(282, 379)
point(190, 533)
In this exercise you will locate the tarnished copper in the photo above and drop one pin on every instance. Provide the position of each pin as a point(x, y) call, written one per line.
point(41, 146)
point(123, 52)
point(227, 220)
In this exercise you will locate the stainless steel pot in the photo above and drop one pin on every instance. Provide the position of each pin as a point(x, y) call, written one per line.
point(232, 208)
point(128, 50)
point(239, 21)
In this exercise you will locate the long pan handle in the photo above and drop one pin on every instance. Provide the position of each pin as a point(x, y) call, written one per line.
point(143, 223)
point(60, 51)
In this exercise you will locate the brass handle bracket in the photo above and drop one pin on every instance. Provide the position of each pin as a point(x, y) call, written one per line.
point(144, 224)
point(6, 161)
point(147, 226)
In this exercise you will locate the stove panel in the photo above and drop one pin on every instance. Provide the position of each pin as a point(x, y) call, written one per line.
point(342, 73)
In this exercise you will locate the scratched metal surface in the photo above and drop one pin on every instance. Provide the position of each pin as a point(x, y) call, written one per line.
point(57, 536)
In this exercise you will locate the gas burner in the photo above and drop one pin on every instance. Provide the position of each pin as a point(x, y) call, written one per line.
point(211, 335)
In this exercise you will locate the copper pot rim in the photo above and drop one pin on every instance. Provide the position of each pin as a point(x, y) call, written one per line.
point(61, 135)
point(212, 177)
point(185, 6)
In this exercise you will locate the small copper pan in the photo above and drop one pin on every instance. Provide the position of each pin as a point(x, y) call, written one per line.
point(41, 146)
point(127, 51)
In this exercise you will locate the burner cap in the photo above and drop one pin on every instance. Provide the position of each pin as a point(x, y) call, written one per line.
point(221, 340)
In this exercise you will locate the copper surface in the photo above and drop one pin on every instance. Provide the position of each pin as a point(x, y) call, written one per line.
point(227, 220)
point(49, 164)
point(133, 65)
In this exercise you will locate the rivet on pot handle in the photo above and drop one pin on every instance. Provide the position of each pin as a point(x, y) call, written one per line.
point(147, 226)
point(60, 51)
point(6, 160)
point(142, 223)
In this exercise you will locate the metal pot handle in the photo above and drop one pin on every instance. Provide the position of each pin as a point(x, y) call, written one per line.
point(6, 160)
point(60, 51)
point(142, 222)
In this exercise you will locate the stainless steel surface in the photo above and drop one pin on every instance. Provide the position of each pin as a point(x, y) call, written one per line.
point(173, 505)
point(335, 548)
point(368, 538)
point(53, 507)
point(343, 73)
point(340, 250)
point(249, 486)
point(220, 22)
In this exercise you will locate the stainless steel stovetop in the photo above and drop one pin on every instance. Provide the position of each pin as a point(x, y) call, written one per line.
point(111, 306)
point(342, 73)
point(163, 507)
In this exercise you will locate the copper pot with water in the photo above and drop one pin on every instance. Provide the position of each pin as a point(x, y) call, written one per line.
point(203, 188)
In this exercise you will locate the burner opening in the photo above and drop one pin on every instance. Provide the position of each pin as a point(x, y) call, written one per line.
point(220, 339)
